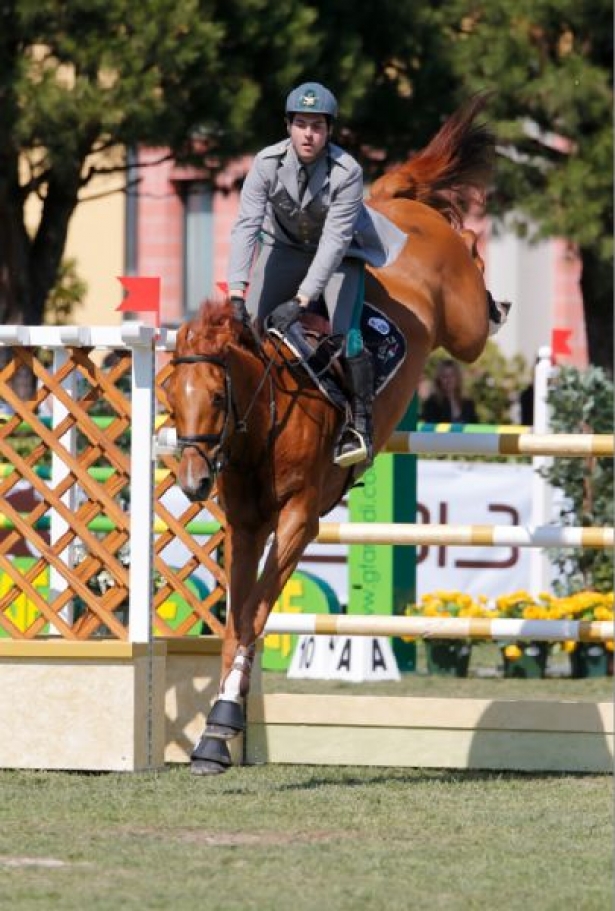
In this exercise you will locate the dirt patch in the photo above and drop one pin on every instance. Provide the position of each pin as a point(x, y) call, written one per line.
point(47, 862)
point(233, 839)
point(243, 839)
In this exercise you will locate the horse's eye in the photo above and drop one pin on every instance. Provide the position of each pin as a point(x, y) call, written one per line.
point(218, 400)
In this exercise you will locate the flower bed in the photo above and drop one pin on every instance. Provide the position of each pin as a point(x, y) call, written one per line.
point(520, 659)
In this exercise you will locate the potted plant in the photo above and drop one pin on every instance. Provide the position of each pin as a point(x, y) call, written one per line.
point(523, 658)
point(587, 659)
point(447, 656)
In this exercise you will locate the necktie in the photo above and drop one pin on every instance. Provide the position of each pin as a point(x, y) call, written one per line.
point(302, 181)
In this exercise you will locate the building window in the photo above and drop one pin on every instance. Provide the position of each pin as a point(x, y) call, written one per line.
point(198, 246)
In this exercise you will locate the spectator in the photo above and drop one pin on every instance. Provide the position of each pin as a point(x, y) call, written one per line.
point(446, 403)
point(526, 405)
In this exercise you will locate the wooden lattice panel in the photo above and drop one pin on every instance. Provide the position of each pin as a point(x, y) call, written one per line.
point(90, 491)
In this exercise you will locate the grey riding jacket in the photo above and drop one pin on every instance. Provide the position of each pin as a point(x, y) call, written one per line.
point(330, 223)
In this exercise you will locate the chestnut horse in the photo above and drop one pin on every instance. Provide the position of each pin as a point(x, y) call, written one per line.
point(260, 429)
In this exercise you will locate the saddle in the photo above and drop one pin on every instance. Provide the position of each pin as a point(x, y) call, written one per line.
point(320, 354)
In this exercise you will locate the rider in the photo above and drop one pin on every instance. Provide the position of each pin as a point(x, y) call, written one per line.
point(303, 201)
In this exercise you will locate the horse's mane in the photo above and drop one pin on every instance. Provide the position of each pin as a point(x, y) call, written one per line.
point(212, 330)
point(452, 171)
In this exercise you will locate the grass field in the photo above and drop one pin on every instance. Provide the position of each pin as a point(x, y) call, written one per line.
point(271, 838)
point(485, 681)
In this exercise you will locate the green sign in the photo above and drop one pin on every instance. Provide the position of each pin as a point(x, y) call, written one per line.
point(303, 594)
point(175, 609)
point(382, 578)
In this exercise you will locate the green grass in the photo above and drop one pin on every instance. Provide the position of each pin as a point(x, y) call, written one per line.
point(485, 661)
point(270, 838)
point(309, 839)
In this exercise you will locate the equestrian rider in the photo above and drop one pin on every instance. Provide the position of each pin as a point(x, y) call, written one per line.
point(301, 212)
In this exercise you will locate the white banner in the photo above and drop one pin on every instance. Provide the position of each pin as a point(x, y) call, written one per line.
point(471, 493)
point(458, 493)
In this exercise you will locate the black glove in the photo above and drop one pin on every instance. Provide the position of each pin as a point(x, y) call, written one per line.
point(284, 316)
point(239, 310)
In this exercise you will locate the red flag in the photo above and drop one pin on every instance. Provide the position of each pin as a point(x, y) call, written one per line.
point(143, 295)
point(559, 342)
point(223, 286)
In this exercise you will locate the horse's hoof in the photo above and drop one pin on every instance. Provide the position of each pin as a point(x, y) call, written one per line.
point(210, 757)
point(207, 767)
point(225, 720)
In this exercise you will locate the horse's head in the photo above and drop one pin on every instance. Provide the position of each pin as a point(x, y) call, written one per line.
point(201, 398)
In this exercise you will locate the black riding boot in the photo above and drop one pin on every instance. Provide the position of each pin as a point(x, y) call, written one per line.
point(355, 443)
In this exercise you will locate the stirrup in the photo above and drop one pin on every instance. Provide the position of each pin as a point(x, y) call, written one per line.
point(358, 451)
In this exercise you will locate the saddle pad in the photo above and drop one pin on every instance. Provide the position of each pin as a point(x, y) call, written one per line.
point(382, 338)
point(385, 342)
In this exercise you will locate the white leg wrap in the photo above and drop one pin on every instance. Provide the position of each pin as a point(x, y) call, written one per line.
point(239, 672)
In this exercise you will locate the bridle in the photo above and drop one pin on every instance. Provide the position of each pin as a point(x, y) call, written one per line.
point(217, 458)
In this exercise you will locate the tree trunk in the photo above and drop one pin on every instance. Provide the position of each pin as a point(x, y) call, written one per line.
point(15, 286)
point(29, 268)
point(597, 290)
point(50, 240)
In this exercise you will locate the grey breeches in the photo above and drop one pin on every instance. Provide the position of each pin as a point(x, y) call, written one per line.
point(278, 272)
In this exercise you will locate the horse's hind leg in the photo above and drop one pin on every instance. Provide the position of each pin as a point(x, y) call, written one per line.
point(226, 718)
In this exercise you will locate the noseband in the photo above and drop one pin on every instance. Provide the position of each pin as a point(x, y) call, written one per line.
point(216, 459)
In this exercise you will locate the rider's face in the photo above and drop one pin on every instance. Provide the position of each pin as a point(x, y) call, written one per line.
point(309, 134)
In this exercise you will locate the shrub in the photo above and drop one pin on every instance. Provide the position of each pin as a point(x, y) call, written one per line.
point(582, 402)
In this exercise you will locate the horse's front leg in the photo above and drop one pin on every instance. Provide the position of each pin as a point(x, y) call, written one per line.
point(226, 718)
point(297, 526)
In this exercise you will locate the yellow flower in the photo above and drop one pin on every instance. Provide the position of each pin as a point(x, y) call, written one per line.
point(512, 652)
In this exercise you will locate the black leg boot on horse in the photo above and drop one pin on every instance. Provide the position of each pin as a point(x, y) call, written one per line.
point(355, 442)
point(226, 718)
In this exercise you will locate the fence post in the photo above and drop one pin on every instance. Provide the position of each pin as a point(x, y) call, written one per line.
point(141, 340)
point(540, 566)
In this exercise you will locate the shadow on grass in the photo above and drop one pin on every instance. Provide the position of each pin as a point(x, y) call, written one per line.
point(365, 776)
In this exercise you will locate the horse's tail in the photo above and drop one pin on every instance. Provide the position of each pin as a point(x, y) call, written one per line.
point(451, 172)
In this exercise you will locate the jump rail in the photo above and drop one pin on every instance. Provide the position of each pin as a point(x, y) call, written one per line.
point(440, 628)
point(485, 535)
point(565, 445)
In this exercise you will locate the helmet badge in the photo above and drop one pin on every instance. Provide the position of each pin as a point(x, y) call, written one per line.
point(309, 99)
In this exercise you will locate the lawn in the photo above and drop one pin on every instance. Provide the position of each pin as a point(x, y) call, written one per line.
point(316, 838)
point(332, 839)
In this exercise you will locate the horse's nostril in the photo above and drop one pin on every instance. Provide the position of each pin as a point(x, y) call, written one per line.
point(200, 492)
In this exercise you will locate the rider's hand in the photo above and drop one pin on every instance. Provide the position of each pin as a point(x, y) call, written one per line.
point(284, 316)
point(239, 309)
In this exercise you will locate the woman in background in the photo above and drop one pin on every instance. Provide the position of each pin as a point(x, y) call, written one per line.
point(446, 403)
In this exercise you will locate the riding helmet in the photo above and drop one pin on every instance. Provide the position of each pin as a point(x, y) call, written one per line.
point(312, 98)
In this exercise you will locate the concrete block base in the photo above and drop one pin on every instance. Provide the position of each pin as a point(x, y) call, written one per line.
point(94, 705)
point(515, 735)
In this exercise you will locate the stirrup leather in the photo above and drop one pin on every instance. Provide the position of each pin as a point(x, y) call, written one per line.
point(345, 457)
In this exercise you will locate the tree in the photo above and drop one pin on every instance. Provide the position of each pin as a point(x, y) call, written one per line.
point(550, 64)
